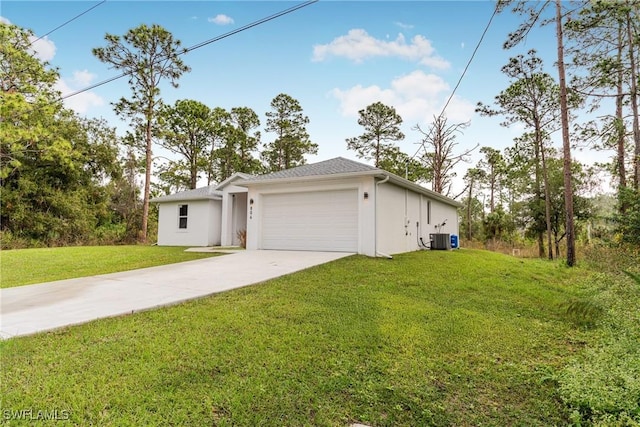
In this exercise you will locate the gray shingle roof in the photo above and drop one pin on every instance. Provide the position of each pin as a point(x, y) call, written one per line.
point(212, 192)
point(202, 193)
point(338, 165)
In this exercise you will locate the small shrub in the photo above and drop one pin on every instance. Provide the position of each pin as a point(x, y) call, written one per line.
point(634, 277)
point(242, 236)
point(583, 313)
point(8, 240)
point(111, 234)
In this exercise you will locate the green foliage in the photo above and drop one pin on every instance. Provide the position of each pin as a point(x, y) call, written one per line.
point(287, 120)
point(28, 105)
point(381, 124)
point(399, 163)
point(239, 140)
point(584, 313)
point(214, 141)
point(53, 164)
point(498, 225)
point(186, 130)
point(54, 194)
point(602, 384)
point(628, 222)
point(633, 276)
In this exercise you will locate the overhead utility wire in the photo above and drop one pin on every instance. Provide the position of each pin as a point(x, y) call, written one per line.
point(495, 11)
point(70, 20)
point(204, 43)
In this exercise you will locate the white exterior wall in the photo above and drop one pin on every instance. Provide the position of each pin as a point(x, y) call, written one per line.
point(366, 207)
point(397, 215)
point(403, 216)
point(439, 213)
point(203, 223)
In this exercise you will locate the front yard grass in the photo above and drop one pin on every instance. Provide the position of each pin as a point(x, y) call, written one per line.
point(27, 266)
point(429, 338)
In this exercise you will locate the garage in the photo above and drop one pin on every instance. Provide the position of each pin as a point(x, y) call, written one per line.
point(314, 221)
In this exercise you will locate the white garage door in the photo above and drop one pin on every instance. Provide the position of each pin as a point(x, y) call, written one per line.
point(314, 221)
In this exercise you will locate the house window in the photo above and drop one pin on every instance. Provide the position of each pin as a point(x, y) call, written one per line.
point(182, 216)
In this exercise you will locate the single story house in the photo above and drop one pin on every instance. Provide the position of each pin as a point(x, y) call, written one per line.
point(334, 205)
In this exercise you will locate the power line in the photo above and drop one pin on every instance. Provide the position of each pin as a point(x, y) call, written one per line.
point(204, 43)
point(495, 11)
point(70, 20)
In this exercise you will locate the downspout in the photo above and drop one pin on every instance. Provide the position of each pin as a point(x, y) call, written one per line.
point(382, 254)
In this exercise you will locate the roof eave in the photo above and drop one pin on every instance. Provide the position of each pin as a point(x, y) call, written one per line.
point(398, 180)
point(327, 177)
point(238, 176)
point(185, 199)
point(377, 173)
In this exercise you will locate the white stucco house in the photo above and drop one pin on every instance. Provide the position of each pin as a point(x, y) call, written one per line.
point(334, 205)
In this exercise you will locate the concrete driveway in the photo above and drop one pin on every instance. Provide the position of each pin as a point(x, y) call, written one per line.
point(35, 308)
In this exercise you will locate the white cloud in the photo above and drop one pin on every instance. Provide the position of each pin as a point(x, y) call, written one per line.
point(357, 45)
point(4, 20)
point(403, 25)
point(417, 84)
point(81, 102)
point(417, 97)
point(82, 78)
point(221, 20)
point(43, 49)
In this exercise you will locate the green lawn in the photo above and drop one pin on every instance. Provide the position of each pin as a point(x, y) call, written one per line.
point(429, 338)
point(27, 266)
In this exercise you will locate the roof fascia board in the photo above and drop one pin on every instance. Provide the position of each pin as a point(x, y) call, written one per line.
point(247, 183)
point(236, 176)
point(184, 199)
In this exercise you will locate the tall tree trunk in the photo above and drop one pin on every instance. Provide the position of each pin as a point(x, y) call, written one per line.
point(193, 182)
point(619, 123)
point(492, 189)
point(547, 199)
point(634, 104)
point(564, 112)
point(538, 189)
point(469, 209)
point(147, 182)
point(210, 166)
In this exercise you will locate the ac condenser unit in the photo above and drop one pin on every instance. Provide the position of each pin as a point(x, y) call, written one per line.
point(440, 241)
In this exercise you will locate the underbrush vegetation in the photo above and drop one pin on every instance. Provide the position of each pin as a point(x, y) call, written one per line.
point(429, 338)
point(602, 383)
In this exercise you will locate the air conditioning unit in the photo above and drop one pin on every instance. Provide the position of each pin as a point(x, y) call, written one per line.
point(440, 241)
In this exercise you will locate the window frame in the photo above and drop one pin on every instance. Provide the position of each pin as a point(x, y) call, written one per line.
point(182, 217)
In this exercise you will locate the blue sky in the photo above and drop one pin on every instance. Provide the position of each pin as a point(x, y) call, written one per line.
point(334, 57)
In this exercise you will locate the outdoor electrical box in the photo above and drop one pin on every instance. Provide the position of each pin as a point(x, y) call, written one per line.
point(440, 241)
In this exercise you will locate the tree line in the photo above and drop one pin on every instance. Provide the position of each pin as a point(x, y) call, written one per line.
point(67, 179)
